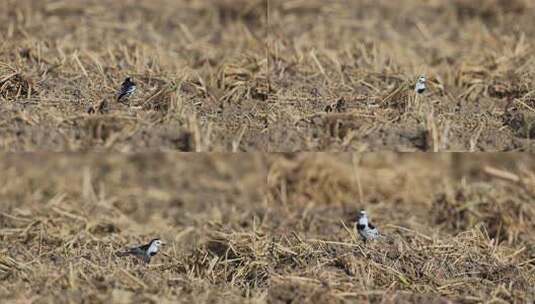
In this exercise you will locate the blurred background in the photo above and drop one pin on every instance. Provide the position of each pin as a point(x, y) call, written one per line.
point(149, 193)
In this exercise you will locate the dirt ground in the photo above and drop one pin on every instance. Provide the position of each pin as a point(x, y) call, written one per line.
point(268, 228)
point(321, 75)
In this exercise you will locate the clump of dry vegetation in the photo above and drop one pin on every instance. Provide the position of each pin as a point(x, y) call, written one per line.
point(268, 228)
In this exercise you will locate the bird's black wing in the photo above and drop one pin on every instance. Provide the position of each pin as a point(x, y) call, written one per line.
point(122, 93)
point(144, 247)
point(125, 88)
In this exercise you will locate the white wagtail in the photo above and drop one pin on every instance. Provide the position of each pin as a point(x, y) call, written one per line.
point(420, 85)
point(366, 229)
point(146, 252)
point(128, 87)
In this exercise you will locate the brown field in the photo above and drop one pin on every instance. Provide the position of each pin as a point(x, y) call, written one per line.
point(341, 72)
point(338, 80)
point(269, 76)
point(259, 228)
point(199, 66)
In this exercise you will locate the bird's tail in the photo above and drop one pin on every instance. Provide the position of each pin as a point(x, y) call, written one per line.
point(123, 253)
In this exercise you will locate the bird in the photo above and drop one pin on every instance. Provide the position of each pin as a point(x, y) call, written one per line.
point(365, 228)
point(145, 252)
point(420, 85)
point(128, 87)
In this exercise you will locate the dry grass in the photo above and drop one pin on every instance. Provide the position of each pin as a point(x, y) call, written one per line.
point(199, 66)
point(342, 71)
point(339, 75)
point(268, 228)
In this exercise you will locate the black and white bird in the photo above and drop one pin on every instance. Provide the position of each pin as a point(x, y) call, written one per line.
point(420, 85)
point(128, 87)
point(365, 228)
point(145, 252)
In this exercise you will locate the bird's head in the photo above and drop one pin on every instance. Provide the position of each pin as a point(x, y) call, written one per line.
point(422, 79)
point(155, 244)
point(363, 218)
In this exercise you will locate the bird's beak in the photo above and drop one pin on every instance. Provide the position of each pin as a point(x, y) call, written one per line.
point(164, 243)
